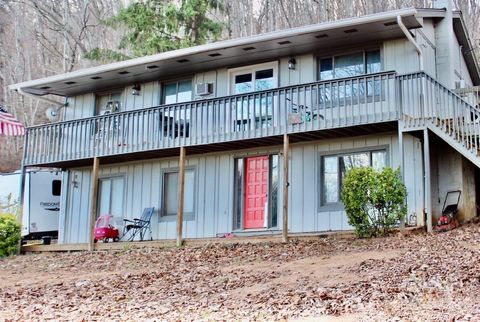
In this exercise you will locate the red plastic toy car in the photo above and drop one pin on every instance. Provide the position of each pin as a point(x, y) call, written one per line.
point(105, 229)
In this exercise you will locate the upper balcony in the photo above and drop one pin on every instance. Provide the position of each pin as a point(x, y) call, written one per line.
point(219, 123)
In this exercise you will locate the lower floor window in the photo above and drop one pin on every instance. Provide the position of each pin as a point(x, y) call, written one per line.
point(170, 193)
point(111, 196)
point(334, 167)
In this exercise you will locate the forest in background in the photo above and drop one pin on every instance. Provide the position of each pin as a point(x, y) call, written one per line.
point(48, 37)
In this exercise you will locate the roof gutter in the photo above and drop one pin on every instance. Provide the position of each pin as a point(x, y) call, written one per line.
point(38, 97)
point(412, 40)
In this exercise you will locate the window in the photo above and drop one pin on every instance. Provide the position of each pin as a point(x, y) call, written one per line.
point(170, 193)
point(253, 112)
point(56, 187)
point(372, 60)
point(350, 65)
point(253, 78)
point(177, 92)
point(111, 196)
point(254, 81)
point(273, 195)
point(108, 103)
point(334, 168)
point(351, 91)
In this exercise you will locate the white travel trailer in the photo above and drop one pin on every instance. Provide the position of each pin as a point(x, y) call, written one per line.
point(41, 204)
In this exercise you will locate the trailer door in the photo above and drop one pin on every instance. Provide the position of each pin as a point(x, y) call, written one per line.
point(44, 205)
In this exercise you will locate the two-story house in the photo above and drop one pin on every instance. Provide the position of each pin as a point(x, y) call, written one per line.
point(266, 126)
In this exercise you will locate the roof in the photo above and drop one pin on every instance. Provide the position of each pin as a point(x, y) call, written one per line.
point(234, 52)
point(227, 53)
point(468, 52)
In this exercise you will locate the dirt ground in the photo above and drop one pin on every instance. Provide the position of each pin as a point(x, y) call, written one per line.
point(417, 277)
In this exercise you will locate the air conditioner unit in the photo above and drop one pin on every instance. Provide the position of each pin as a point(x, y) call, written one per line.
point(111, 107)
point(204, 89)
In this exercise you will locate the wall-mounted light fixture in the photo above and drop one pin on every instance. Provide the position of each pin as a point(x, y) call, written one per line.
point(75, 181)
point(291, 63)
point(53, 113)
point(136, 89)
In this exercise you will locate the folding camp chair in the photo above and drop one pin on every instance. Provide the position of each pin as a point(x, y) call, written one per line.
point(138, 226)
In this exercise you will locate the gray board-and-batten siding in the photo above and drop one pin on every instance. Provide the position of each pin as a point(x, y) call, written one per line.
point(214, 188)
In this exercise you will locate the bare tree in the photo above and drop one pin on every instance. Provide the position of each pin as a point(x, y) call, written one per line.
point(42, 38)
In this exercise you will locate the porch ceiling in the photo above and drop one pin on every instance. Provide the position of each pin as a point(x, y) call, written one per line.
point(228, 53)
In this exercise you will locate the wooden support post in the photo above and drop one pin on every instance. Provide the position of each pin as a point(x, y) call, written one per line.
point(93, 202)
point(21, 201)
point(402, 162)
point(285, 188)
point(181, 189)
point(427, 176)
point(21, 193)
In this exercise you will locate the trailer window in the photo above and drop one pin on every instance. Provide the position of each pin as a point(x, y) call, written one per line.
point(56, 187)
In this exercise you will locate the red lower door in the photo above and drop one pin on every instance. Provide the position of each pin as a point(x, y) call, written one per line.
point(256, 191)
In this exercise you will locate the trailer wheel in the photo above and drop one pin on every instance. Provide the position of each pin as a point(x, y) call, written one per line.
point(116, 239)
point(105, 240)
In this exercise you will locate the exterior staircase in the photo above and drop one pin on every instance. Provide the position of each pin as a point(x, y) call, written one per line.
point(442, 111)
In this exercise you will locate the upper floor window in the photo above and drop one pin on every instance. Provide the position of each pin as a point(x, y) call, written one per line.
point(108, 103)
point(253, 111)
point(177, 92)
point(350, 65)
point(253, 78)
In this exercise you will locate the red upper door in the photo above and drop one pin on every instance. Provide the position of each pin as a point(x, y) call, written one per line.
point(256, 191)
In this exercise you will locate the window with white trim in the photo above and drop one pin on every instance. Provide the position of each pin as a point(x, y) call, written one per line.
point(253, 78)
point(334, 167)
point(255, 111)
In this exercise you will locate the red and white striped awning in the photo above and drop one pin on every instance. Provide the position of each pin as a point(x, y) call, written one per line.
point(9, 125)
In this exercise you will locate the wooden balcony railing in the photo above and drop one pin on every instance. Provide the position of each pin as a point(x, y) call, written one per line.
point(426, 102)
point(308, 107)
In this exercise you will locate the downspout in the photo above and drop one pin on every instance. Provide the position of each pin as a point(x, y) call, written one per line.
point(411, 39)
point(426, 145)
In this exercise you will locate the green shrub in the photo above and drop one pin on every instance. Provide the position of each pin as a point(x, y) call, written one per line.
point(10, 231)
point(374, 200)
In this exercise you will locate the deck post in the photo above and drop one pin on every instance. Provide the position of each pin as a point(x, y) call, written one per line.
point(23, 173)
point(21, 193)
point(181, 188)
point(402, 162)
point(93, 202)
point(285, 188)
point(427, 175)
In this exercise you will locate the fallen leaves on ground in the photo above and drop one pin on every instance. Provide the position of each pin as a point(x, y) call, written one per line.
point(425, 277)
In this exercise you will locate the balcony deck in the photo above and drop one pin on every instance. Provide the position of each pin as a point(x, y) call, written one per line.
point(325, 109)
